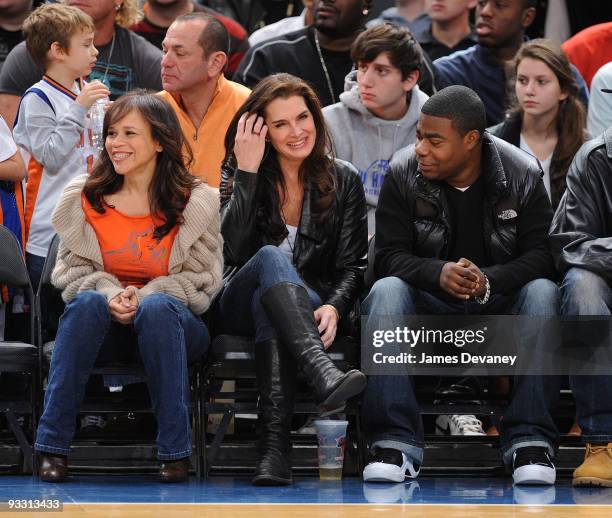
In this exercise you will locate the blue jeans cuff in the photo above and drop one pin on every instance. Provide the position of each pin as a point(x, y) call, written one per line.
point(523, 442)
point(43, 448)
point(174, 456)
point(597, 438)
point(411, 451)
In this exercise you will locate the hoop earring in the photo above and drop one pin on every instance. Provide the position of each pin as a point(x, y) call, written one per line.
point(365, 11)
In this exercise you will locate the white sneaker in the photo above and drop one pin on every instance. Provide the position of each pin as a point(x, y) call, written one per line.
point(389, 465)
point(459, 424)
point(531, 465)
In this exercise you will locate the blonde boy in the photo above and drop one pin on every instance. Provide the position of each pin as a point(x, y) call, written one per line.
point(51, 122)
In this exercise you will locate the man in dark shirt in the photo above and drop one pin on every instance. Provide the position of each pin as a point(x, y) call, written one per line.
point(449, 30)
point(500, 29)
point(461, 229)
point(159, 15)
point(319, 54)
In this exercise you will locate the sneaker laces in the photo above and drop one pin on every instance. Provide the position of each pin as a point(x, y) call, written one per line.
point(467, 423)
point(93, 420)
point(592, 449)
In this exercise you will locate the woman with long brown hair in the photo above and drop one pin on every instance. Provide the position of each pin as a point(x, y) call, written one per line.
point(294, 225)
point(139, 259)
point(547, 119)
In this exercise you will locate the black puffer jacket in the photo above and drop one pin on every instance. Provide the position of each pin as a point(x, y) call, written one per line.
point(413, 230)
point(330, 258)
point(581, 232)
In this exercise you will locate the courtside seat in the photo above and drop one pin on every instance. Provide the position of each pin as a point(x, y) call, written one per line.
point(19, 358)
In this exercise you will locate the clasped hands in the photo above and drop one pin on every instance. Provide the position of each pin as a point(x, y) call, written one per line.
point(123, 307)
point(463, 279)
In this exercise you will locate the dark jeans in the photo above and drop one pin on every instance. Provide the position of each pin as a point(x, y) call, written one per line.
point(390, 410)
point(240, 309)
point(35, 264)
point(165, 336)
point(586, 293)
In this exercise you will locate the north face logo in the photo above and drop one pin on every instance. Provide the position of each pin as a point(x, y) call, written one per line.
point(507, 214)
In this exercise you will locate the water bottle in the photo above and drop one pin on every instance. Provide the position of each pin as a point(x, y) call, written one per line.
point(96, 123)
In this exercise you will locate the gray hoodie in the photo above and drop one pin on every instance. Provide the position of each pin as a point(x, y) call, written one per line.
point(368, 142)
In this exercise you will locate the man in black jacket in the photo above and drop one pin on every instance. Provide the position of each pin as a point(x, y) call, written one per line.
point(319, 54)
point(461, 228)
point(581, 239)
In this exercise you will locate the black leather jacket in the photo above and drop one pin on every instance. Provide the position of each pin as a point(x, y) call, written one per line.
point(581, 232)
point(510, 131)
point(330, 258)
point(413, 230)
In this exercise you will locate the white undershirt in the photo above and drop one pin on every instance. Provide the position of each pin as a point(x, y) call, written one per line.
point(288, 244)
point(544, 163)
point(7, 145)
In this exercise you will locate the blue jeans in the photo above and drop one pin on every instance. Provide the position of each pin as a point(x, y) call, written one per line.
point(390, 410)
point(165, 335)
point(586, 293)
point(241, 312)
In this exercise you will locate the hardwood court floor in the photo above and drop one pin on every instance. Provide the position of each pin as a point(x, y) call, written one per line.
point(117, 496)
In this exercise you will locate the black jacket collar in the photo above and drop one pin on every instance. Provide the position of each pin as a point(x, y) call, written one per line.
point(491, 167)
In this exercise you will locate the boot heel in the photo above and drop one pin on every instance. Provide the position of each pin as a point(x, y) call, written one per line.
point(352, 384)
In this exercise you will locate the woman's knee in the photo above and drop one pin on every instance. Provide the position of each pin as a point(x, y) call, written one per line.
point(272, 257)
point(155, 308)
point(89, 302)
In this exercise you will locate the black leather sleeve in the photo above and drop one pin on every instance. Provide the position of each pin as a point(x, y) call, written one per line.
point(580, 234)
point(241, 239)
point(351, 249)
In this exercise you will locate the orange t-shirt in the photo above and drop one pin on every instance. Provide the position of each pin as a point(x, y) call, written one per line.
point(129, 250)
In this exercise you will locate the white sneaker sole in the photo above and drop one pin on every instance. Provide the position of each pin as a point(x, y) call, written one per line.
point(534, 475)
point(381, 472)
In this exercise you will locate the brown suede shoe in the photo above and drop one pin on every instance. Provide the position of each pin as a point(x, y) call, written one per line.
point(174, 470)
point(596, 470)
point(52, 468)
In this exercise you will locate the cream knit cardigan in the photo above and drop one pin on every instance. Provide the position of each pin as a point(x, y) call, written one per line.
point(194, 267)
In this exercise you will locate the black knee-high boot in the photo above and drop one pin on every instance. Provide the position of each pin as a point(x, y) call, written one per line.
point(289, 309)
point(276, 378)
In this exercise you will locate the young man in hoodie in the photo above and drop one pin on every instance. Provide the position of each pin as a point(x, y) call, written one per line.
point(378, 112)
